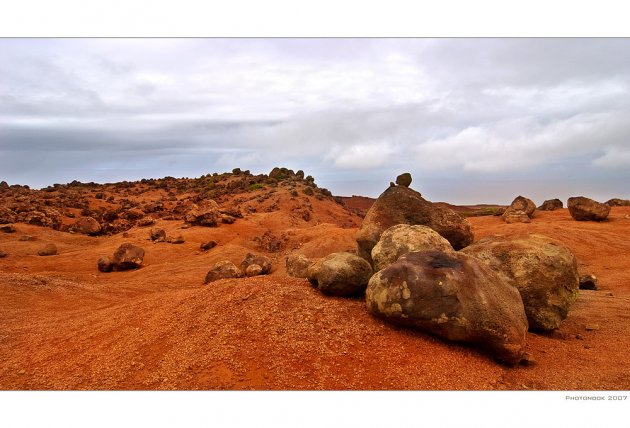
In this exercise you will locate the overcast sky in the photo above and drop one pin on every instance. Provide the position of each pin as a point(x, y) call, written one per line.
point(473, 120)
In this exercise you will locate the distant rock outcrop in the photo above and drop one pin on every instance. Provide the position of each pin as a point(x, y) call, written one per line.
point(585, 209)
point(404, 238)
point(551, 205)
point(616, 202)
point(340, 274)
point(543, 270)
point(454, 296)
point(402, 205)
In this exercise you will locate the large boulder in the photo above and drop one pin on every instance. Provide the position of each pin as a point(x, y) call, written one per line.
point(551, 205)
point(251, 260)
point(127, 256)
point(543, 270)
point(340, 274)
point(86, 226)
point(453, 296)
point(524, 204)
point(521, 210)
point(223, 269)
point(402, 205)
point(207, 215)
point(404, 238)
point(584, 209)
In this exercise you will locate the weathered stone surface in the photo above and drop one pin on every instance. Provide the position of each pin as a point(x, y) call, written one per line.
point(207, 215)
point(48, 250)
point(405, 238)
point(128, 256)
point(297, 265)
point(86, 226)
point(105, 264)
point(256, 259)
point(402, 205)
point(543, 270)
point(157, 234)
point(454, 296)
point(551, 205)
point(585, 209)
point(340, 274)
point(404, 179)
point(223, 269)
point(253, 270)
point(616, 202)
point(511, 215)
point(588, 282)
point(524, 204)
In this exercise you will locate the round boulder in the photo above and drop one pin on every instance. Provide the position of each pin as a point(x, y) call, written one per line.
point(522, 203)
point(551, 205)
point(86, 226)
point(453, 296)
point(157, 234)
point(297, 265)
point(404, 238)
point(105, 264)
point(340, 274)
point(585, 209)
point(543, 270)
point(220, 270)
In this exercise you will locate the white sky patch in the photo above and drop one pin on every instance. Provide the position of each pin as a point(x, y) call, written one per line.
point(361, 156)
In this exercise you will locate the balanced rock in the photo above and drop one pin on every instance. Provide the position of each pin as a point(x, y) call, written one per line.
point(157, 234)
point(404, 179)
point(551, 205)
point(453, 296)
point(48, 250)
point(86, 226)
point(402, 205)
point(220, 270)
point(585, 209)
point(128, 256)
point(404, 238)
point(105, 264)
point(253, 259)
point(297, 265)
point(588, 282)
point(543, 270)
point(340, 274)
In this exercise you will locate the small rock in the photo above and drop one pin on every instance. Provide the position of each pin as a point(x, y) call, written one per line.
point(297, 265)
point(609, 294)
point(7, 228)
point(208, 245)
point(2, 254)
point(528, 360)
point(177, 240)
point(588, 282)
point(224, 269)
point(252, 259)
point(579, 337)
point(253, 270)
point(105, 264)
point(27, 238)
point(591, 327)
point(157, 234)
point(22, 371)
point(48, 250)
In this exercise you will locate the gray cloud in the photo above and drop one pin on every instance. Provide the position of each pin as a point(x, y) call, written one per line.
point(474, 120)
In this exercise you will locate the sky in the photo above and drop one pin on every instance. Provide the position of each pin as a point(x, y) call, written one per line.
point(473, 120)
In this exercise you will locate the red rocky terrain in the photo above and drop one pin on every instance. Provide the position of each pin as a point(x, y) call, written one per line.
point(66, 325)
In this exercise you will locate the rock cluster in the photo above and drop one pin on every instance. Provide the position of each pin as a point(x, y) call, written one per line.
point(252, 265)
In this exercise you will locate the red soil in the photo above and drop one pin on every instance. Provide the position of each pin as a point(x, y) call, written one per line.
point(64, 325)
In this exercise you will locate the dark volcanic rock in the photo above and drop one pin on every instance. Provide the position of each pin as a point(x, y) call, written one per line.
point(208, 245)
point(616, 202)
point(588, 282)
point(584, 209)
point(220, 270)
point(402, 205)
point(454, 296)
point(543, 270)
point(340, 274)
point(105, 264)
point(404, 179)
point(157, 234)
point(7, 229)
point(128, 256)
point(551, 205)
